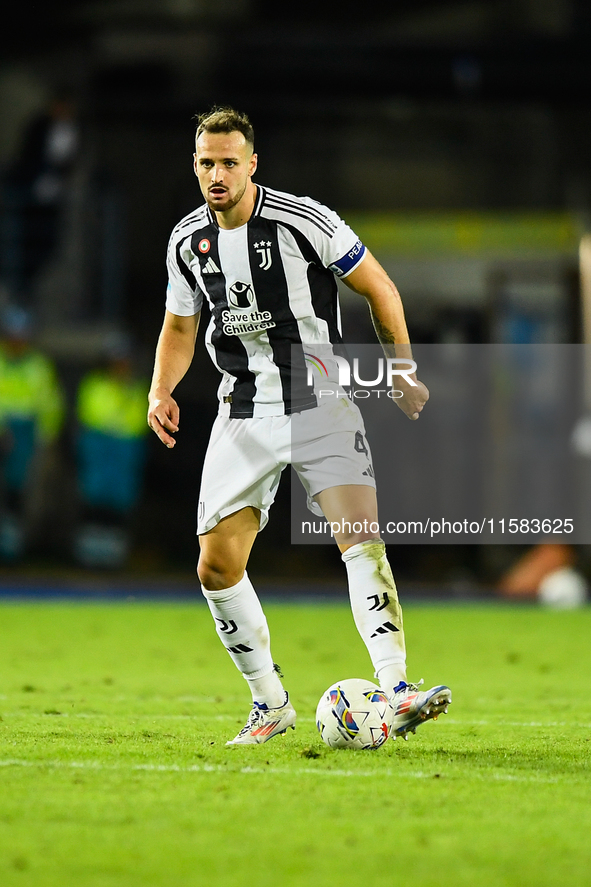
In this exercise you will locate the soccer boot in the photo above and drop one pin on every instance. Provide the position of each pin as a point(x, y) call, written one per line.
point(263, 723)
point(413, 707)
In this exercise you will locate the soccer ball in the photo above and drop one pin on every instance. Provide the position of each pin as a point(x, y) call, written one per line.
point(354, 714)
point(563, 589)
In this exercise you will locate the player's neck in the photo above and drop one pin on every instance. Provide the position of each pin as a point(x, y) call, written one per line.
point(240, 214)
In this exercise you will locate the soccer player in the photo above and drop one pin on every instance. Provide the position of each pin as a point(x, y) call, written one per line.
point(266, 262)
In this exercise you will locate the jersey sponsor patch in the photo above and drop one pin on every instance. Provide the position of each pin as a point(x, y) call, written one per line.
point(344, 266)
point(240, 295)
point(237, 324)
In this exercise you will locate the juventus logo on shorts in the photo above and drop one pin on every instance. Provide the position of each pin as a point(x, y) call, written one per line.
point(264, 250)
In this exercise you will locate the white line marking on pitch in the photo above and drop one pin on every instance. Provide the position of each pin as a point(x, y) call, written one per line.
point(502, 723)
point(301, 719)
point(287, 771)
point(133, 718)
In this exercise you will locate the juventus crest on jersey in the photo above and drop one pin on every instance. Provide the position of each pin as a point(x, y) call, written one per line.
point(270, 285)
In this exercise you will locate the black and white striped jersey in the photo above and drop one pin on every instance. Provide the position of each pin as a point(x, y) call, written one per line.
point(270, 285)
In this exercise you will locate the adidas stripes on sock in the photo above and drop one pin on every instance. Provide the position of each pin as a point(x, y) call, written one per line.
point(242, 628)
point(376, 611)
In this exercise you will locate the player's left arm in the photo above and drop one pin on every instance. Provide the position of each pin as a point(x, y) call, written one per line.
point(370, 280)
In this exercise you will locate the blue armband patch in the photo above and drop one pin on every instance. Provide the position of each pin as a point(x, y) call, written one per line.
point(344, 266)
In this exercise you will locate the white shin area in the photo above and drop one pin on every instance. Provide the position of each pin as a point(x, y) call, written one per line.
point(242, 628)
point(376, 610)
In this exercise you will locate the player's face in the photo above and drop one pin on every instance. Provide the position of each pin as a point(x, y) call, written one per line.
point(224, 164)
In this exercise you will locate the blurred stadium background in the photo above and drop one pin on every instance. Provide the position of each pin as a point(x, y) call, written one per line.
point(454, 136)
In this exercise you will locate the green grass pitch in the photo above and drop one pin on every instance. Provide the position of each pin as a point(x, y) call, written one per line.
point(114, 773)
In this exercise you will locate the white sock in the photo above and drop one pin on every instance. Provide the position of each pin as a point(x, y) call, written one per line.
point(242, 628)
point(267, 690)
point(376, 611)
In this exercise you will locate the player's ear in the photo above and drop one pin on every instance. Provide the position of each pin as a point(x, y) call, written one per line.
point(195, 164)
point(252, 164)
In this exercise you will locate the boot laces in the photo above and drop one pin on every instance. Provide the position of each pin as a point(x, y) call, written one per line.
point(254, 718)
point(412, 688)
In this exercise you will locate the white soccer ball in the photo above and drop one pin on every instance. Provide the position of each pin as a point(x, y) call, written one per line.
point(354, 714)
point(563, 589)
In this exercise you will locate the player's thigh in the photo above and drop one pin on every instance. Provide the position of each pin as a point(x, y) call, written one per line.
point(242, 469)
point(225, 548)
point(352, 511)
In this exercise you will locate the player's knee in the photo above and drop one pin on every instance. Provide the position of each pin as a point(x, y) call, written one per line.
point(216, 574)
point(359, 529)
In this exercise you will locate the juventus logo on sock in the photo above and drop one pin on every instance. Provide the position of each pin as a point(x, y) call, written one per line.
point(384, 629)
point(376, 601)
point(228, 627)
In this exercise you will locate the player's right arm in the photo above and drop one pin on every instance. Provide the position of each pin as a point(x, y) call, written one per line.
point(174, 353)
point(370, 280)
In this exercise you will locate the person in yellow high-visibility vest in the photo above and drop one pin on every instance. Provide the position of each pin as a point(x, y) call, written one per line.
point(31, 417)
point(111, 408)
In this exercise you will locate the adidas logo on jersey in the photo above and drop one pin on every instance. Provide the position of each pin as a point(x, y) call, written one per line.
point(210, 267)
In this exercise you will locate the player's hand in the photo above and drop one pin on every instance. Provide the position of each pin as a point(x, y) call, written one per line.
point(163, 417)
point(414, 398)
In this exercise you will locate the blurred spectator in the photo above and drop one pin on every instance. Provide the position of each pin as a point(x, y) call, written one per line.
point(34, 190)
point(31, 415)
point(111, 411)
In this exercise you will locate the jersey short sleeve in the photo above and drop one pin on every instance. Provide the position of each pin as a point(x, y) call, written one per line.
point(339, 248)
point(346, 252)
point(183, 295)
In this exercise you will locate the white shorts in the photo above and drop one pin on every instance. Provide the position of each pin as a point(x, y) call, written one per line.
point(245, 457)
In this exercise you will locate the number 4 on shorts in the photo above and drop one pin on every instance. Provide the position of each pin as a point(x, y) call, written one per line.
point(360, 445)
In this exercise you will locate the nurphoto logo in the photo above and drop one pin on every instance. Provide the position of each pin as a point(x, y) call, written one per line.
point(337, 369)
